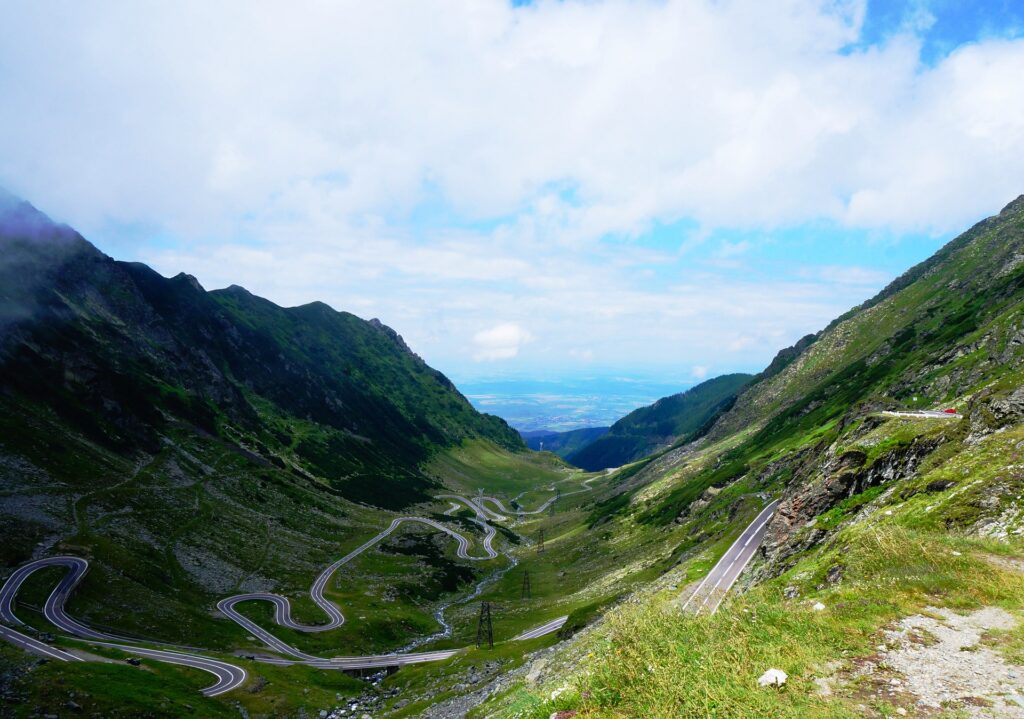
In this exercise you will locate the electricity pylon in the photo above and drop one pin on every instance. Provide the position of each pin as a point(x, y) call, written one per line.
point(484, 629)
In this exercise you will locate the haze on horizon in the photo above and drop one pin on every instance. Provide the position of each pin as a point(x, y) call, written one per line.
point(670, 189)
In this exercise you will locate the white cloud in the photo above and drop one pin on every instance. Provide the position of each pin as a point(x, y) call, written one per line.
point(734, 113)
point(502, 341)
point(699, 371)
point(296, 150)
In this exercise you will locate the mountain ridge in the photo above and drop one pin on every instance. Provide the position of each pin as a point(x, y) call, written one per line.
point(884, 512)
point(198, 355)
point(671, 419)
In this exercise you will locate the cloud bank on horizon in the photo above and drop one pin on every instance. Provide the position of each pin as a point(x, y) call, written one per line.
point(566, 185)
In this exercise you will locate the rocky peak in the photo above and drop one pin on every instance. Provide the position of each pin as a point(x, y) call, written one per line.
point(394, 336)
point(189, 280)
point(1016, 207)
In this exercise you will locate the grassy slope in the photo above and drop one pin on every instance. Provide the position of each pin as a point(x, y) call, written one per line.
point(386, 592)
point(947, 333)
point(201, 521)
point(898, 552)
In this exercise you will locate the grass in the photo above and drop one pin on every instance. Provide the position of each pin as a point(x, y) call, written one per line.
point(114, 688)
point(138, 525)
point(649, 660)
point(477, 465)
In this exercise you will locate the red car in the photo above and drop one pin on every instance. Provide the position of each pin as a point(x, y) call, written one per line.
point(949, 411)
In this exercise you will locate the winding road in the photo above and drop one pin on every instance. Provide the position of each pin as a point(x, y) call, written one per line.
point(477, 503)
point(282, 607)
point(229, 676)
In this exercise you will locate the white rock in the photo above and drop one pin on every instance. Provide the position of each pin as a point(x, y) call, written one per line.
point(901, 711)
point(773, 678)
point(818, 607)
point(957, 554)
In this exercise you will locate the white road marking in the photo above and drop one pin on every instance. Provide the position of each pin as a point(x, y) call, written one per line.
point(732, 555)
point(228, 675)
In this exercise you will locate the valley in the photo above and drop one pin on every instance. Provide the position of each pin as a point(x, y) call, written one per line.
point(292, 500)
point(512, 359)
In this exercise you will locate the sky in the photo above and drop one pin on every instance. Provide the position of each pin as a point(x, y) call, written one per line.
point(667, 189)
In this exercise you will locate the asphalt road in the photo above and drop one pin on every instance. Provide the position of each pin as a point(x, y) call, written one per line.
point(228, 675)
point(335, 617)
point(479, 501)
point(930, 413)
point(282, 607)
point(553, 626)
point(34, 646)
point(710, 592)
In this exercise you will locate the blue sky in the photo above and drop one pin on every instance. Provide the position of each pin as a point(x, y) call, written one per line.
point(657, 189)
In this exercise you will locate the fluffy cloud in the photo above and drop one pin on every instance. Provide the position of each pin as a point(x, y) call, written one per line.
point(734, 112)
point(499, 342)
point(439, 163)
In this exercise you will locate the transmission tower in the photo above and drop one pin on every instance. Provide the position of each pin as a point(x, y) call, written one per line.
point(484, 629)
point(526, 585)
point(540, 542)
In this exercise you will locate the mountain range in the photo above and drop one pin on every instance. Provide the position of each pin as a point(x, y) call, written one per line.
point(193, 444)
point(677, 418)
point(121, 353)
point(562, 443)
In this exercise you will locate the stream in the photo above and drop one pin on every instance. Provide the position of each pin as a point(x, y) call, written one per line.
point(446, 630)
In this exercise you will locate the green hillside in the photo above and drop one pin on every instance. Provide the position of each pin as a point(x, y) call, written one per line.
point(195, 444)
point(647, 429)
point(123, 354)
point(881, 516)
point(226, 485)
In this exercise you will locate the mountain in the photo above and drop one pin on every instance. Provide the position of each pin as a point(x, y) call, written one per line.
point(647, 429)
point(194, 483)
point(121, 353)
point(886, 515)
point(949, 331)
point(561, 443)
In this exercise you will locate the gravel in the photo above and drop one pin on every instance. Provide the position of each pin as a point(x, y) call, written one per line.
point(956, 668)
